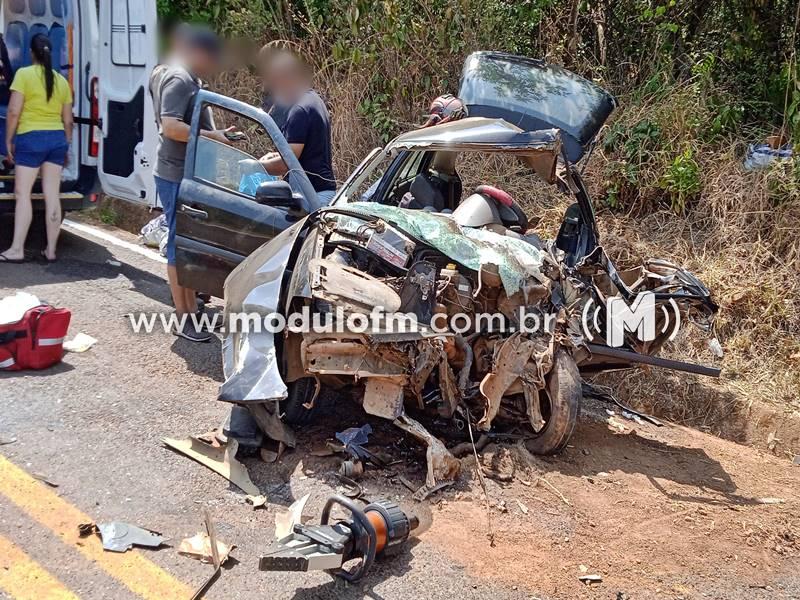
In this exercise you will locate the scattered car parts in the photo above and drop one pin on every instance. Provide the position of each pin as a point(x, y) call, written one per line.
point(216, 560)
point(121, 537)
point(199, 546)
point(220, 459)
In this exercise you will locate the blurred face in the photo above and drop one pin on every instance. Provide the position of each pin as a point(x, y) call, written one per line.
point(200, 62)
point(177, 44)
point(286, 79)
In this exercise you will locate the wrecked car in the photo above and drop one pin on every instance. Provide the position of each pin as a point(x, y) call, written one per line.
point(404, 242)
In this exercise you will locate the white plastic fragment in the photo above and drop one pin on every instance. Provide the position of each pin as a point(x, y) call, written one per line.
point(80, 343)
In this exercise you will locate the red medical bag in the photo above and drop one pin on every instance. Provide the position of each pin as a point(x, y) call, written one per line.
point(36, 341)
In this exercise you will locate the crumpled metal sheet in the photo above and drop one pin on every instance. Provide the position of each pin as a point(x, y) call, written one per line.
point(345, 356)
point(448, 387)
point(533, 380)
point(442, 466)
point(121, 537)
point(248, 358)
point(383, 396)
point(286, 520)
point(429, 352)
point(517, 358)
point(220, 459)
point(510, 358)
point(516, 259)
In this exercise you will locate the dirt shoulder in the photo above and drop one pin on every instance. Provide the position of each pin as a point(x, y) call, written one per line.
point(656, 512)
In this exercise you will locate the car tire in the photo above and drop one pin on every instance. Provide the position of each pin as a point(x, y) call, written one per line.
point(300, 392)
point(563, 393)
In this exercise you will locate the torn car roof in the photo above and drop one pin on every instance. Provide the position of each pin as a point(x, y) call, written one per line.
point(478, 133)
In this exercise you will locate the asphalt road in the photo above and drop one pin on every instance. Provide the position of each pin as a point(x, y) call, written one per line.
point(93, 426)
point(657, 513)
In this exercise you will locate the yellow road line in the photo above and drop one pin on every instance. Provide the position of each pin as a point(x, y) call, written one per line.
point(24, 579)
point(137, 573)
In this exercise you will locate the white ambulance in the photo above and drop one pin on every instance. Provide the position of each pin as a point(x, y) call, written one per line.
point(106, 49)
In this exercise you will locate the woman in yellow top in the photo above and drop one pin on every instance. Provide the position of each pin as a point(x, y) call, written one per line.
point(40, 116)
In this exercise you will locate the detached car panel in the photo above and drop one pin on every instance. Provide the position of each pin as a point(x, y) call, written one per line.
point(532, 94)
point(252, 369)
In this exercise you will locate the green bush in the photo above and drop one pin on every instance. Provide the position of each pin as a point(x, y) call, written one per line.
point(690, 74)
point(237, 18)
point(682, 180)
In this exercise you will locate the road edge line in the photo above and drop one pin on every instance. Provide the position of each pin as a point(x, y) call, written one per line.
point(112, 239)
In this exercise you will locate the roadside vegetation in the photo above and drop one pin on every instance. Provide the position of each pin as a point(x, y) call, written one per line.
point(697, 81)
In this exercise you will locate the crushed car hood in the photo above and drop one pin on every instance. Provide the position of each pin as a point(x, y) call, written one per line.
point(516, 260)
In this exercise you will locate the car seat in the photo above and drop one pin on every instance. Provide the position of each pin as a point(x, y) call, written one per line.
point(451, 186)
point(437, 191)
point(426, 192)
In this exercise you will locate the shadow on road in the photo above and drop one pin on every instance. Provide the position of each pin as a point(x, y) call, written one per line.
point(393, 566)
point(79, 259)
point(56, 369)
point(657, 460)
point(683, 398)
point(202, 359)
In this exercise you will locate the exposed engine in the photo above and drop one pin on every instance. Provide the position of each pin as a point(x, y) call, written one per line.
point(474, 319)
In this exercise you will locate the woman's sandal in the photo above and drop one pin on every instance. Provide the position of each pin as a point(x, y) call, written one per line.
point(44, 256)
point(11, 261)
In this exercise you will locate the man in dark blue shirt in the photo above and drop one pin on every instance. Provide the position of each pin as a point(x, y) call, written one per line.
point(307, 127)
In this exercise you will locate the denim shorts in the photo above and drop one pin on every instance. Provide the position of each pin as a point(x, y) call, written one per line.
point(36, 147)
point(168, 194)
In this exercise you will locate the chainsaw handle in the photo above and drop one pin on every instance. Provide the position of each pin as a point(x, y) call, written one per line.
point(362, 527)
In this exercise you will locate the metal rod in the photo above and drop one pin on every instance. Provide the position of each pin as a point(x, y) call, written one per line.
point(666, 363)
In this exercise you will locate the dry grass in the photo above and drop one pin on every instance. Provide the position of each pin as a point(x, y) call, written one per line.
point(735, 239)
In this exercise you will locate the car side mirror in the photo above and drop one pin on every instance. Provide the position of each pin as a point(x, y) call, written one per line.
point(279, 194)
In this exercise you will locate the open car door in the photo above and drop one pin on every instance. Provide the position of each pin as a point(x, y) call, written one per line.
point(220, 220)
point(127, 56)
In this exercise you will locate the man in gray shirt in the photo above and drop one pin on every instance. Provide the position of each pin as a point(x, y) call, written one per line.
point(173, 87)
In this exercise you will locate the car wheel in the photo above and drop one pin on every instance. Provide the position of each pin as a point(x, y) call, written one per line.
point(561, 405)
point(300, 392)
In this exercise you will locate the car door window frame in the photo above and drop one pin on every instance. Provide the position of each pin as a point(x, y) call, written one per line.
point(297, 177)
point(401, 169)
point(216, 184)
